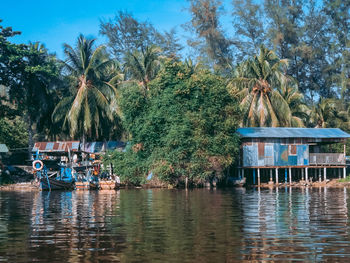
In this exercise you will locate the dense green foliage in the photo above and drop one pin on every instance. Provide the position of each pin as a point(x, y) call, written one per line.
point(183, 127)
point(29, 72)
point(13, 133)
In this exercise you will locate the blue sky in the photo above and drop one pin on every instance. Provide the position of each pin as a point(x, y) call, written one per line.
point(55, 22)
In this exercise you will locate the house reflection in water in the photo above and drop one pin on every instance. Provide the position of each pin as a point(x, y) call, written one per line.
point(296, 224)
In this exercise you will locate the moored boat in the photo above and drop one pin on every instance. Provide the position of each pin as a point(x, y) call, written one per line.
point(62, 181)
point(108, 185)
point(82, 185)
point(54, 184)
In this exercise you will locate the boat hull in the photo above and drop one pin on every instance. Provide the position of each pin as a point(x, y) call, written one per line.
point(108, 185)
point(82, 185)
point(54, 184)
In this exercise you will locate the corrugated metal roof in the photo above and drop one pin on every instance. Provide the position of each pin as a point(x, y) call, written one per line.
point(90, 147)
point(3, 148)
point(260, 132)
point(56, 146)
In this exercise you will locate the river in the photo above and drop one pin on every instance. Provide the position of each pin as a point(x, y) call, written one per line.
point(161, 225)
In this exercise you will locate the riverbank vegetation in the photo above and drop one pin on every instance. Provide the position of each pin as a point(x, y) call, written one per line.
point(284, 64)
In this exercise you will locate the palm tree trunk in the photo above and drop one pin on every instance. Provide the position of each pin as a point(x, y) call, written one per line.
point(84, 141)
point(30, 135)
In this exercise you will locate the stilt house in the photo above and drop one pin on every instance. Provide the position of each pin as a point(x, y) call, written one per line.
point(299, 149)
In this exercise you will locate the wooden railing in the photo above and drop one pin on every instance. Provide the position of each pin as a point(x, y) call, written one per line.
point(326, 158)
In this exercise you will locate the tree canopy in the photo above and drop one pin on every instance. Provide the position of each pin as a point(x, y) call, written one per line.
point(183, 127)
point(90, 105)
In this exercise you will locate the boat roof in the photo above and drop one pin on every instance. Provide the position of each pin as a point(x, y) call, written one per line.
point(265, 132)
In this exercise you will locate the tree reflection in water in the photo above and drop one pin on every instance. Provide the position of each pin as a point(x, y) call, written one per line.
point(199, 225)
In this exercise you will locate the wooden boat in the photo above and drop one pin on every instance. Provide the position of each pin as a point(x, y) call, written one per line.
point(82, 185)
point(62, 181)
point(48, 183)
point(108, 185)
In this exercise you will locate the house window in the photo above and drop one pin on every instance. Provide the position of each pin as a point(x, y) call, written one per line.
point(292, 149)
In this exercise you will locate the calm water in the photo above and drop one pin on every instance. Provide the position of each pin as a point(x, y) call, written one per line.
point(198, 225)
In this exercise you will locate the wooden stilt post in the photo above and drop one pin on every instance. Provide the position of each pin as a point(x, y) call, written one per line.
point(325, 173)
point(320, 174)
point(302, 174)
point(339, 173)
point(285, 175)
point(258, 176)
point(290, 175)
point(270, 175)
point(253, 175)
point(344, 172)
point(242, 173)
point(297, 174)
point(276, 171)
point(306, 175)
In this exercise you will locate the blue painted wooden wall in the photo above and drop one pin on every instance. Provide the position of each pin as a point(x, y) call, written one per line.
point(275, 154)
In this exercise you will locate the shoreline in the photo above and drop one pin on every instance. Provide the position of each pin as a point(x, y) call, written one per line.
point(333, 183)
point(26, 186)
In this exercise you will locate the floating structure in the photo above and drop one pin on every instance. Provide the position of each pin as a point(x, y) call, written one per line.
point(290, 154)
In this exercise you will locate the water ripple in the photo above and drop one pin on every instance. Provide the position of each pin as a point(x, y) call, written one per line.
point(232, 225)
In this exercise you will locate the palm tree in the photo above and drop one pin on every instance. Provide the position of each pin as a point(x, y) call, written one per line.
point(295, 100)
point(89, 109)
point(257, 83)
point(143, 66)
point(326, 114)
